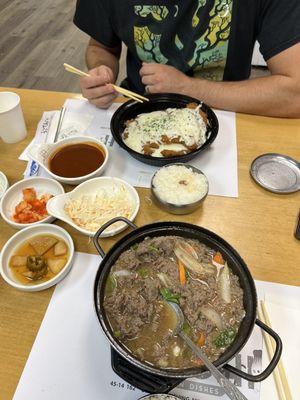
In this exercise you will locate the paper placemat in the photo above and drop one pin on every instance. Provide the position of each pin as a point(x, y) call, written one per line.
point(218, 162)
point(70, 358)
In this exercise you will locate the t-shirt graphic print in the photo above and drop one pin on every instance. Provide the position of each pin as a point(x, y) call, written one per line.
point(197, 42)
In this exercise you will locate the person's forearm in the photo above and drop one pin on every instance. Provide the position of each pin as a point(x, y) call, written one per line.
point(275, 95)
point(96, 56)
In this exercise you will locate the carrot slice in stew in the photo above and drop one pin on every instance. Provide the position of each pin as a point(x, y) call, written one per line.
point(218, 258)
point(201, 340)
point(182, 275)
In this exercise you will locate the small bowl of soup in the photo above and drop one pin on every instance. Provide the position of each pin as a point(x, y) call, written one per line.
point(37, 257)
point(72, 160)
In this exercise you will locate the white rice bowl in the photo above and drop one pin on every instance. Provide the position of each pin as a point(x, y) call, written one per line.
point(179, 185)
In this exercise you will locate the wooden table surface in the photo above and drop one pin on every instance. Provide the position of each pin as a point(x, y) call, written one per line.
point(259, 224)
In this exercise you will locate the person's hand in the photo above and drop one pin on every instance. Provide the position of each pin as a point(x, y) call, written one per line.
point(96, 87)
point(160, 78)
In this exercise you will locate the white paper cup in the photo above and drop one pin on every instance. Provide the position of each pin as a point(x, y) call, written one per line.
point(12, 124)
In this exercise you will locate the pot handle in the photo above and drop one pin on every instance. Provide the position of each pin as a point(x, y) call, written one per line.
point(106, 225)
point(263, 375)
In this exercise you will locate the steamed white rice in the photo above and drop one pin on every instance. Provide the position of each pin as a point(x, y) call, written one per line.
point(179, 185)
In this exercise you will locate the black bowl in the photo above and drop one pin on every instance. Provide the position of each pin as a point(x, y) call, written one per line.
point(235, 262)
point(157, 102)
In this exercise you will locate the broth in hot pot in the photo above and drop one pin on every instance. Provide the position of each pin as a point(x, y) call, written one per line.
point(179, 270)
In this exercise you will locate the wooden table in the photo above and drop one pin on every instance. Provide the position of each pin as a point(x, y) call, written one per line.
point(258, 224)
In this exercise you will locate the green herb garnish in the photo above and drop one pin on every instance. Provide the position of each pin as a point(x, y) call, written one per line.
point(225, 338)
point(111, 283)
point(169, 296)
point(135, 246)
point(152, 247)
point(188, 276)
point(143, 272)
point(186, 328)
point(117, 334)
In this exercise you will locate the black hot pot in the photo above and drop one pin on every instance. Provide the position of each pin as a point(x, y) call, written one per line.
point(152, 379)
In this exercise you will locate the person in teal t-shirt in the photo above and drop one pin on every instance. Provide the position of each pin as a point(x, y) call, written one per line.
point(201, 48)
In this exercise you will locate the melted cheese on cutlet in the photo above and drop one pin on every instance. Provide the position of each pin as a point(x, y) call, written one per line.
point(185, 123)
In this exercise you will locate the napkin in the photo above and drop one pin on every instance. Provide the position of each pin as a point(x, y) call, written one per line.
point(73, 124)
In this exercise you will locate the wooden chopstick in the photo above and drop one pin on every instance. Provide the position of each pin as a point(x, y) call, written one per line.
point(280, 378)
point(269, 347)
point(125, 92)
point(122, 90)
point(74, 70)
point(280, 367)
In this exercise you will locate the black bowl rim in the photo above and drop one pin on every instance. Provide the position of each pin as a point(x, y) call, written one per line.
point(163, 97)
point(134, 237)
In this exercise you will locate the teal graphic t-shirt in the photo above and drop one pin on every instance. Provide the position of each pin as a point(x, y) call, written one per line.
point(211, 39)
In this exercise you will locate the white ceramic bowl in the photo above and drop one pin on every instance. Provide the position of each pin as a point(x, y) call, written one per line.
point(55, 206)
point(14, 195)
point(17, 239)
point(3, 184)
point(41, 153)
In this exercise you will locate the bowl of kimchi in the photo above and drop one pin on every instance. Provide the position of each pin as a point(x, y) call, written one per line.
point(24, 203)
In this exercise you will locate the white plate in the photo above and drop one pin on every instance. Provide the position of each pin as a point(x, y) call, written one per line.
point(17, 239)
point(41, 153)
point(56, 205)
point(3, 184)
point(14, 195)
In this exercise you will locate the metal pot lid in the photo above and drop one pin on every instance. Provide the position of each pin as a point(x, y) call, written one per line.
point(276, 172)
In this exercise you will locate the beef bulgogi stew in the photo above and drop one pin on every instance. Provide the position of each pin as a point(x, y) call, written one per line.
point(179, 270)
